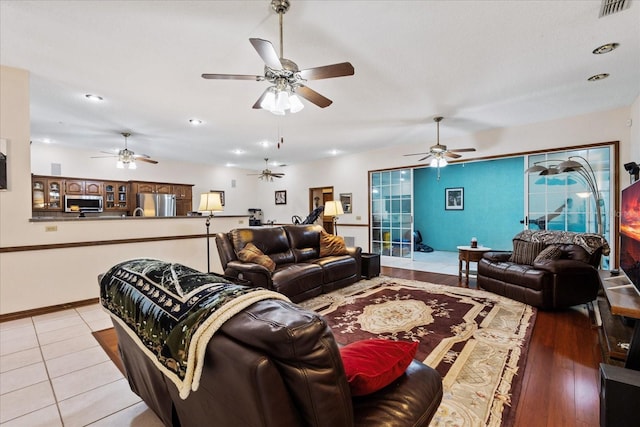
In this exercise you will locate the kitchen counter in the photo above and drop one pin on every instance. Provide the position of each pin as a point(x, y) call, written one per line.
point(120, 218)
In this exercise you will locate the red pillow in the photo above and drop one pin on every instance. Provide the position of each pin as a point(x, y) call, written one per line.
point(373, 364)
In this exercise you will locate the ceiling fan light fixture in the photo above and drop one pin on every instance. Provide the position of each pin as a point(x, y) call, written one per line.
point(132, 165)
point(269, 101)
point(120, 164)
point(282, 102)
point(438, 162)
point(295, 103)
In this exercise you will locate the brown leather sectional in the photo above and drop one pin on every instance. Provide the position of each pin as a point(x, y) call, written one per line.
point(300, 272)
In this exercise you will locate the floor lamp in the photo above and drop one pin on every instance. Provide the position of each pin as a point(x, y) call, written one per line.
point(334, 208)
point(209, 202)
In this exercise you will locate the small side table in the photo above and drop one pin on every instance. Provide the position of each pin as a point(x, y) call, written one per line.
point(370, 265)
point(469, 254)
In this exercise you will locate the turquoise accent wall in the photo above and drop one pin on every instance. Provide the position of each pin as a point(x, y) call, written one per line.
point(493, 204)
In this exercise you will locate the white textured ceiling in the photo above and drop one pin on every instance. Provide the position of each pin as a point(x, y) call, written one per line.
point(481, 64)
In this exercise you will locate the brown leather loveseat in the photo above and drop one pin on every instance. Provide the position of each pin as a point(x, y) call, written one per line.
point(546, 269)
point(277, 365)
point(299, 270)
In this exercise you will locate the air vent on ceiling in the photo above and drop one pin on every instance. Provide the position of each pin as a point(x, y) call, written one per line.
point(609, 7)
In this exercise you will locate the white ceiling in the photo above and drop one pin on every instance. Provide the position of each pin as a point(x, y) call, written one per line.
point(481, 64)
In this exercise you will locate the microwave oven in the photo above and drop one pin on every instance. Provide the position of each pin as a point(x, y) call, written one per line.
point(82, 203)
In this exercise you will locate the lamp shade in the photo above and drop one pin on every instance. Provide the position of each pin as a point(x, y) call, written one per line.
point(210, 202)
point(333, 208)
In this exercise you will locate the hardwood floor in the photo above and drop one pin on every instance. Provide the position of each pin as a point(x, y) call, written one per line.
point(560, 383)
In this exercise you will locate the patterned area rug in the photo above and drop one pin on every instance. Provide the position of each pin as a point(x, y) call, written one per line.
point(477, 340)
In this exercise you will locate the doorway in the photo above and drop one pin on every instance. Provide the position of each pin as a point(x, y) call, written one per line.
point(319, 196)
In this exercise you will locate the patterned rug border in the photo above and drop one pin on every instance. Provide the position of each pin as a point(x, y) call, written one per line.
point(502, 411)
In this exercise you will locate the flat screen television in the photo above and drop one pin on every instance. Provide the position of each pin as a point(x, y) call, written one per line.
point(630, 233)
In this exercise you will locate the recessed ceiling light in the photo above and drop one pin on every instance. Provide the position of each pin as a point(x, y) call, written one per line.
point(195, 122)
point(238, 151)
point(605, 48)
point(598, 77)
point(92, 97)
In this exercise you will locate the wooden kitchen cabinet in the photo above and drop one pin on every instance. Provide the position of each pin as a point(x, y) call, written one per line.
point(116, 195)
point(93, 188)
point(74, 187)
point(79, 187)
point(184, 199)
point(150, 187)
point(46, 193)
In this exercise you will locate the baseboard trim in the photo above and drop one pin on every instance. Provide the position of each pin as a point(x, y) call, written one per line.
point(45, 310)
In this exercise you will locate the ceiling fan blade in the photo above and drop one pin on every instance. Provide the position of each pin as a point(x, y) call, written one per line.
point(232, 77)
point(258, 103)
point(313, 96)
point(452, 155)
point(425, 157)
point(103, 157)
point(328, 71)
point(463, 150)
point(267, 52)
point(416, 154)
point(144, 159)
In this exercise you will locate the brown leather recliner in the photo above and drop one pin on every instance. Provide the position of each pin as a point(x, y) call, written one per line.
point(300, 272)
point(277, 365)
point(569, 279)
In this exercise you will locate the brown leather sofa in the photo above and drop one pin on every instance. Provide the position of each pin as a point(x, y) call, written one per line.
point(300, 273)
point(277, 365)
point(568, 278)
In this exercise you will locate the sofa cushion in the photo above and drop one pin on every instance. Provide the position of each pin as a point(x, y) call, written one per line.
point(271, 241)
point(335, 268)
point(551, 252)
point(298, 279)
point(332, 245)
point(250, 253)
point(304, 241)
point(373, 364)
point(525, 252)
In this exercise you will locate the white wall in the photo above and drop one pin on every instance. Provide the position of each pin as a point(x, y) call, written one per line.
point(34, 279)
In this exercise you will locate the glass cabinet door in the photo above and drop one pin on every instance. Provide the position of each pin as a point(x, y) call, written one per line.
point(391, 213)
point(54, 194)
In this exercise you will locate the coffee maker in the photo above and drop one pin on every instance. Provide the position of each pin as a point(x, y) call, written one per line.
point(255, 217)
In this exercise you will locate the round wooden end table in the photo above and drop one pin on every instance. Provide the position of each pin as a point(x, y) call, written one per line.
point(469, 254)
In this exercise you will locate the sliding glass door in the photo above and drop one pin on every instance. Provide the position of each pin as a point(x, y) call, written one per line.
point(391, 212)
point(571, 190)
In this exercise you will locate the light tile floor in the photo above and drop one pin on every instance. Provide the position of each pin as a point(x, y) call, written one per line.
point(53, 372)
point(435, 262)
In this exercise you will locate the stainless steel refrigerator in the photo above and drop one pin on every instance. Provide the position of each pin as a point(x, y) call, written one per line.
point(154, 204)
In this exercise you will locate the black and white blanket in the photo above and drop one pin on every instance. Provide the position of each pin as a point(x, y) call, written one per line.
point(590, 242)
point(172, 311)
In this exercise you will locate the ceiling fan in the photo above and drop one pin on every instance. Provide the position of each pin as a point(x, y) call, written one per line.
point(439, 151)
point(127, 158)
point(267, 174)
point(285, 76)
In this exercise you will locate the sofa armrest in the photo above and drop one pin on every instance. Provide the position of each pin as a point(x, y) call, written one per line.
point(419, 390)
point(497, 256)
point(564, 266)
point(258, 275)
point(356, 253)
